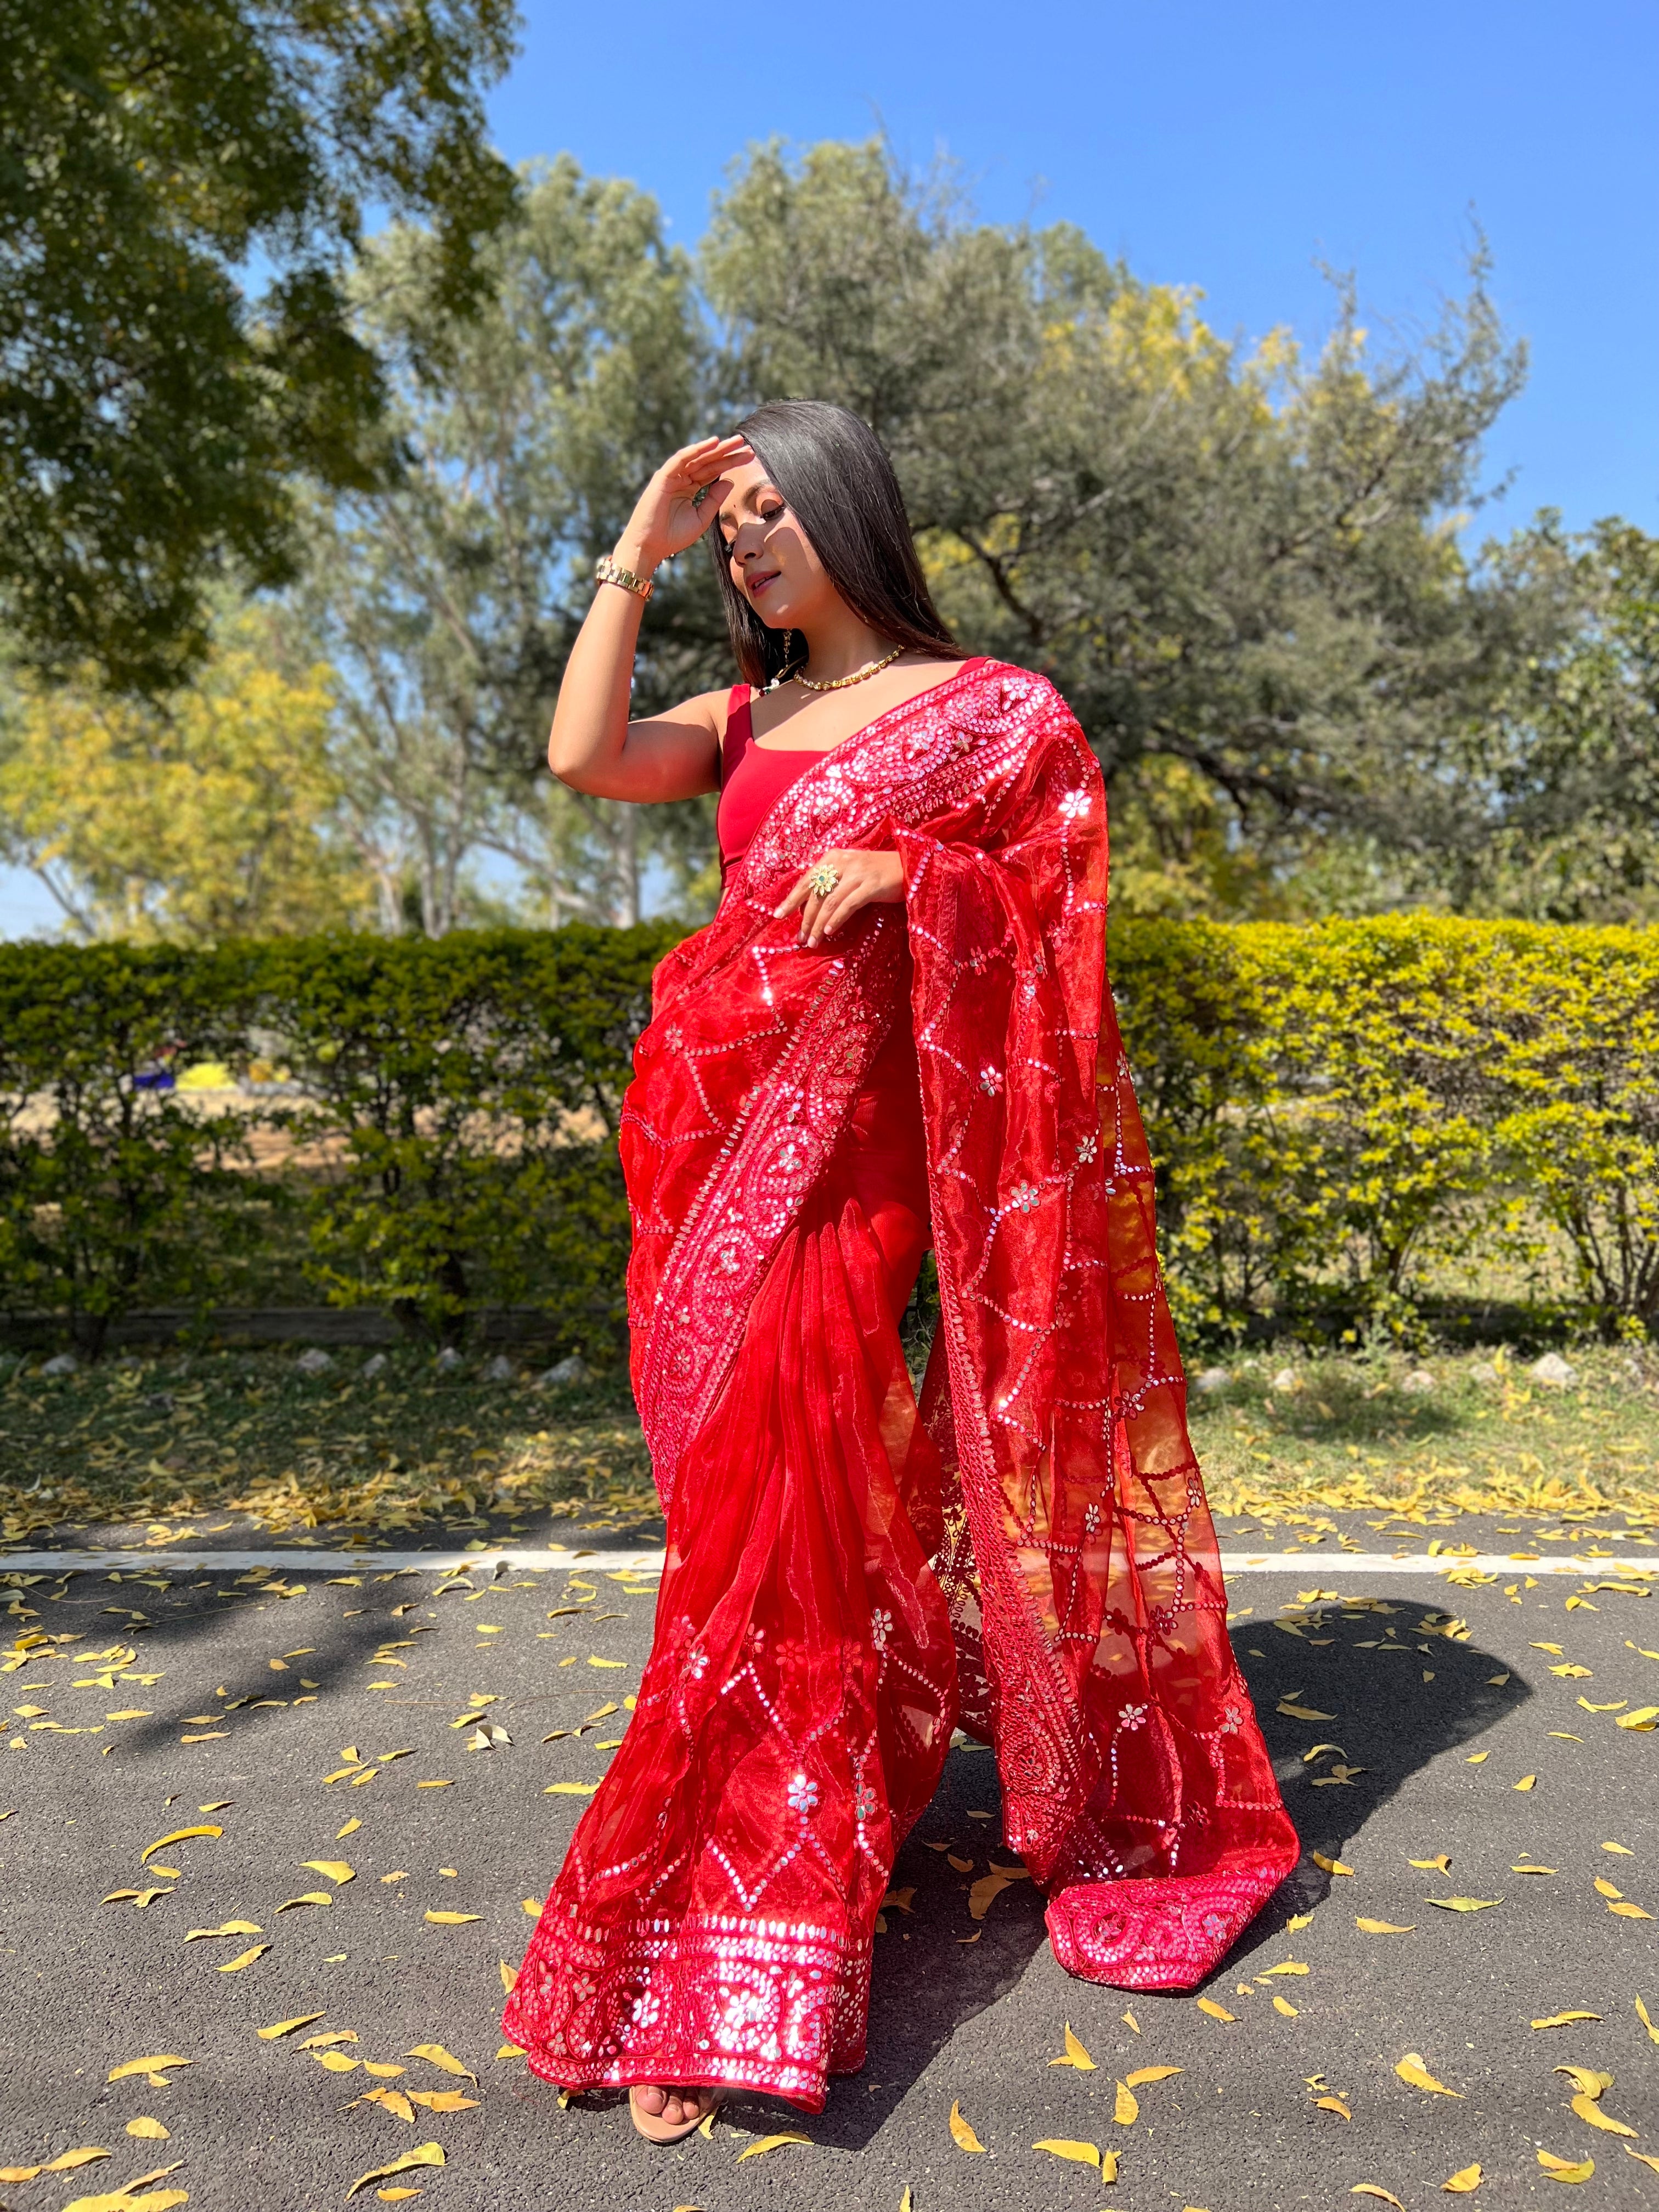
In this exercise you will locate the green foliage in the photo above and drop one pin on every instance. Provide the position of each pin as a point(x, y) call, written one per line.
point(466, 1091)
point(154, 411)
point(448, 600)
point(1240, 563)
point(454, 1114)
point(1335, 1110)
point(104, 1184)
point(209, 815)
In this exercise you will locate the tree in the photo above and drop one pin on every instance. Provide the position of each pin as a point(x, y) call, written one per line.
point(1567, 767)
point(153, 409)
point(448, 599)
point(211, 814)
point(1241, 565)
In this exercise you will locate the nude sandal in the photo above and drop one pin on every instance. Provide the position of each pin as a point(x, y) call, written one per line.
point(656, 2129)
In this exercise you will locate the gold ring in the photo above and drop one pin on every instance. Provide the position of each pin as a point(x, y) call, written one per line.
point(822, 880)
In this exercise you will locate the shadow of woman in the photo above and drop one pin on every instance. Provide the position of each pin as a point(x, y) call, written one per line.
point(1348, 1660)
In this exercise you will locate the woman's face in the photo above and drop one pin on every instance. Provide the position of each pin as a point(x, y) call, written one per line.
point(772, 561)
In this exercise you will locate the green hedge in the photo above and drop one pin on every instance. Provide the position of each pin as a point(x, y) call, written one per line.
point(1337, 1111)
point(447, 1117)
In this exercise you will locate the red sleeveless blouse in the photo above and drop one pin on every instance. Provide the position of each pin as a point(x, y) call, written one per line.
point(753, 778)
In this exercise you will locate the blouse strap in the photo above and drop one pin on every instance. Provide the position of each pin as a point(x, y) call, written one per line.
point(739, 733)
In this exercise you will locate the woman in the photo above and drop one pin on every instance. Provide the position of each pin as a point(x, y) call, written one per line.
point(895, 1032)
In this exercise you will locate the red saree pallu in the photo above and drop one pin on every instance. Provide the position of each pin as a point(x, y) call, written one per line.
point(849, 1575)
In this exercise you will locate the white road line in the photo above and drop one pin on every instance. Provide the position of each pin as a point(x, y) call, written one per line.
point(1319, 1566)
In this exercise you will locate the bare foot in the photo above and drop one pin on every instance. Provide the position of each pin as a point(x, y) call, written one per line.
point(661, 2114)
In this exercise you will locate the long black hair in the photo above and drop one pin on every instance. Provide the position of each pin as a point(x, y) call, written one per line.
point(835, 475)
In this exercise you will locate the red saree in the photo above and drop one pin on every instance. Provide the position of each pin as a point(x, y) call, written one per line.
point(847, 1576)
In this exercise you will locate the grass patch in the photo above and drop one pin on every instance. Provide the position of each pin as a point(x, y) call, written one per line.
point(409, 1449)
point(165, 1445)
point(1477, 1432)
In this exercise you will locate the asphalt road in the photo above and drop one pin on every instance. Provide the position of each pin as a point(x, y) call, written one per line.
point(1432, 1749)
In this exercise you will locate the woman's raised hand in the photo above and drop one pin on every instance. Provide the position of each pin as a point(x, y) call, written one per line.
point(669, 515)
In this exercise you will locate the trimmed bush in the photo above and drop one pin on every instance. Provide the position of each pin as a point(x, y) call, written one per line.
point(1335, 1110)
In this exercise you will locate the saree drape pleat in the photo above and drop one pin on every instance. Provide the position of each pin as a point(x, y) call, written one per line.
point(844, 1578)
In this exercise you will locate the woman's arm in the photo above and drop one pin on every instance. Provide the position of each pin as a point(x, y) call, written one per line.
point(592, 746)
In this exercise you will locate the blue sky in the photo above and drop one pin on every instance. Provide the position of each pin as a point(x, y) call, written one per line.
point(1213, 144)
point(1208, 143)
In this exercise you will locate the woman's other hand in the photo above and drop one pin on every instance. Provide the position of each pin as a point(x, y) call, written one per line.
point(863, 880)
point(680, 502)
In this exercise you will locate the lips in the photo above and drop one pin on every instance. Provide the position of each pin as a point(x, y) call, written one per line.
point(754, 585)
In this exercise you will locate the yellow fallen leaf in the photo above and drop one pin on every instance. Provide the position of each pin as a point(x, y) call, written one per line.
point(1477, 1759)
point(427, 2154)
point(350, 1826)
point(1302, 1712)
point(1284, 1967)
point(1126, 2110)
point(1283, 2005)
point(1334, 2104)
point(389, 2101)
point(767, 2142)
point(1464, 2181)
point(1627, 1911)
point(1215, 2011)
point(244, 1958)
point(1384, 1926)
point(310, 1897)
point(1074, 2054)
point(990, 1886)
point(152, 2131)
point(1527, 1782)
point(381, 2069)
point(1564, 2019)
point(1642, 2014)
point(325, 2042)
point(1590, 2112)
point(1079, 2153)
point(509, 1976)
point(145, 2066)
point(336, 1869)
point(554, 1789)
point(1643, 1720)
point(1526, 1866)
point(177, 1836)
point(1330, 1866)
point(1642, 2155)
point(1145, 2074)
point(1622, 1851)
point(962, 2134)
point(442, 2100)
point(1565, 2169)
point(395, 2195)
point(1585, 2081)
point(437, 2055)
point(226, 1928)
point(336, 2061)
point(1412, 2069)
point(1130, 2022)
point(67, 2161)
point(1463, 1904)
point(451, 1919)
point(1605, 1888)
point(1294, 1926)
point(622, 1662)
point(286, 2026)
point(1372, 2188)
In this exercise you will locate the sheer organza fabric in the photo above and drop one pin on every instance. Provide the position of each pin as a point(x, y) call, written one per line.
point(1030, 1554)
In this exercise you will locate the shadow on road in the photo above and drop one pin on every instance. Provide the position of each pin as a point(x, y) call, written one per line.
point(1388, 1722)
